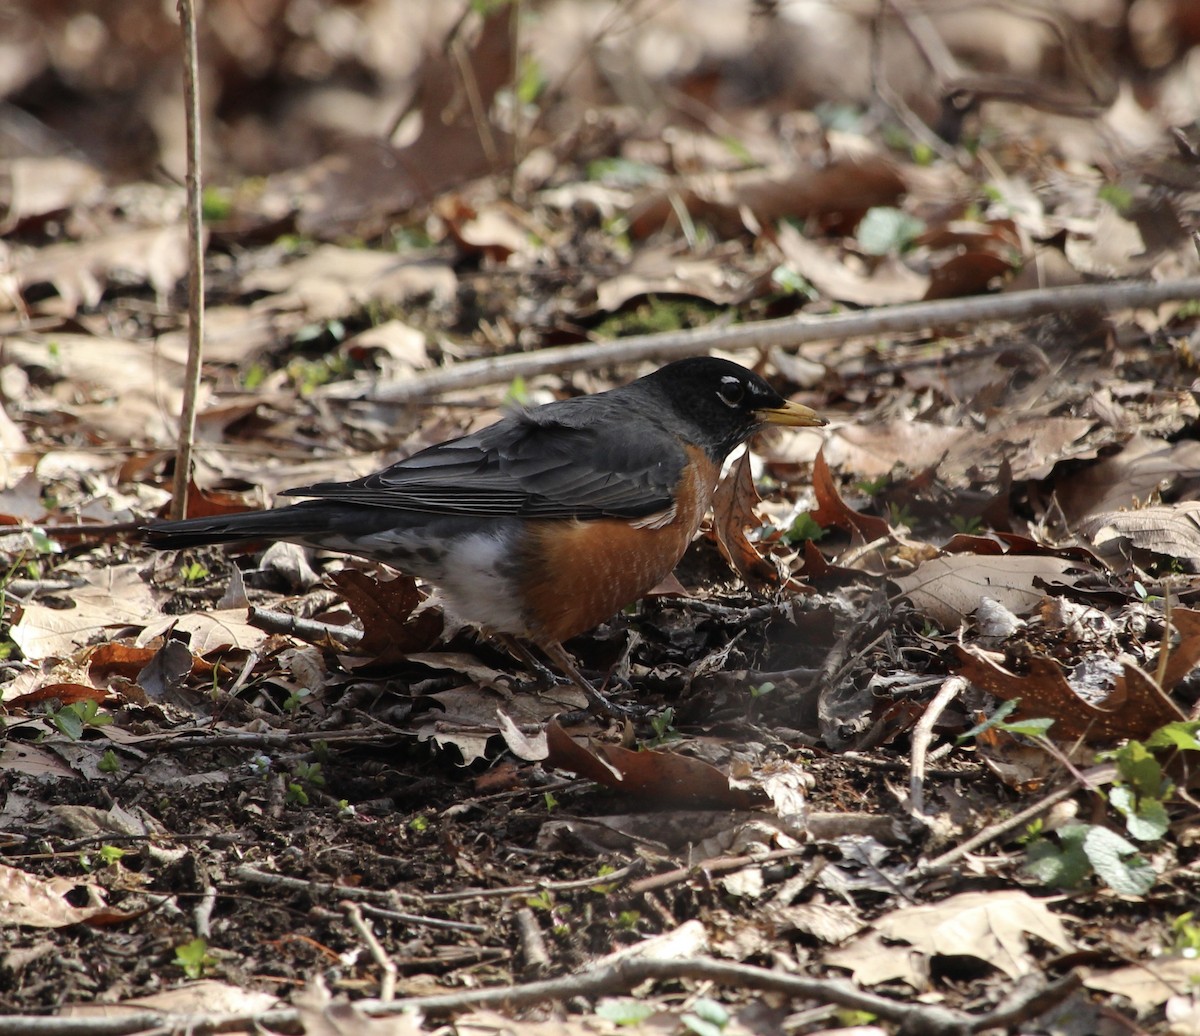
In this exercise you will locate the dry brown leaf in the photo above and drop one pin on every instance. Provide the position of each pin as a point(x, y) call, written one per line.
point(385, 609)
point(722, 279)
point(111, 597)
point(209, 631)
point(191, 999)
point(1148, 984)
point(1135, 708)
point(1169, 529)
point(334, 282)
point(1184, 656)
point(322, 1015)
point(38, 186)
point(733, 512)
point(19, 757)
point(1144, 466)
point(34, 902)
point(663, 777)
point(80, 271)
point(991, 926)
point(848, 183)
point(873, 450)
point(886, 283)
point(104, 371)
point(948, 589)
point(833, 512)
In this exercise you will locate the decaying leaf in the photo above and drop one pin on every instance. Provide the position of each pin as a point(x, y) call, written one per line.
point(1169, 529)
point(991, 926)
point(733, 513)
point(385, 609)
point(949, 588)
point(661, 777)
point(1135, 708)
point(833, 511)
point(42, 903)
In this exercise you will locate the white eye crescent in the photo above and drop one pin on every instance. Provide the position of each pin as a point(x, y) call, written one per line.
point(732, 391)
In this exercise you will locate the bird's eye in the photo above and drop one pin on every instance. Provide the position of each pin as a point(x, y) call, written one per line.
point(732, 391)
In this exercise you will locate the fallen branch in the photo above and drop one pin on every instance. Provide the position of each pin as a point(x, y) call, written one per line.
point(605, 979)
point(787, 332)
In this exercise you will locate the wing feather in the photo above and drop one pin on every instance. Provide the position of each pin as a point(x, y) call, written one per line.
point(557, 461)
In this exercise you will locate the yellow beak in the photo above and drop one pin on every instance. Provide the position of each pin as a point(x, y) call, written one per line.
point(792, 415)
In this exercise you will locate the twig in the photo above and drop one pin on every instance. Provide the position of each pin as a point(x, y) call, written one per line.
point(533, 944)
point(306, 629)
point(175, 740)
point(574, 885)
point(720, 865)
point(423, 921)
point(203, 912)
point(387, 985)
point(254, 876)
point(948, 860)
point(615, 976)
point(191, 386)
point(785, 332)
point(922, 734)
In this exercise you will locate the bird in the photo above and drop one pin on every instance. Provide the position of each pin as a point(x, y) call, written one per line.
point(546, 523)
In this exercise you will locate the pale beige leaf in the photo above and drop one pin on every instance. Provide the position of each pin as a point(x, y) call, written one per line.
point(210, 631)
point(38, 903)
point(207, 996)
point(948, 589)
point(333, 282)
point(111, 597)
point(1169, 529)
point(991, 926)
point(1148, 985)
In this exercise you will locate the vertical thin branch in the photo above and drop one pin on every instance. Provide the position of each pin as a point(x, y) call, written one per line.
point(187, 420)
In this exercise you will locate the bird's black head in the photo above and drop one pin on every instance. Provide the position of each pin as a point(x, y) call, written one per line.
point(721, 404)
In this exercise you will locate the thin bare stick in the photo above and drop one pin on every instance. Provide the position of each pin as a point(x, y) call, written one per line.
point(191, 387)
point(787, 332)
point(609, 976)
point(387, 985)
point(1095, 777)
point(922, 734)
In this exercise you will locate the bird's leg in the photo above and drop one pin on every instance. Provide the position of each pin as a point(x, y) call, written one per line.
point(544, 677)
point(597, 702)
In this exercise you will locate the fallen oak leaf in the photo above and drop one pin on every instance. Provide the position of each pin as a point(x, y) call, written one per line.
point(832, 510)
point(385, 609)
point(665, 777)
point(733, 512)
point(1136, 707)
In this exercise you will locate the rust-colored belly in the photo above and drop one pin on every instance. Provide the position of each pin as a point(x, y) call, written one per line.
point(576, 573)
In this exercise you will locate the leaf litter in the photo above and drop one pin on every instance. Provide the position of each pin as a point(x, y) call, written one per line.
point(1011, 503)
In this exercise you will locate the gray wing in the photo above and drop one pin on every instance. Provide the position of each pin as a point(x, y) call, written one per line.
point(557, 461)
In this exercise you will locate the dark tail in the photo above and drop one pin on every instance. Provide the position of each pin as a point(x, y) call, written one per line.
point(311, 522)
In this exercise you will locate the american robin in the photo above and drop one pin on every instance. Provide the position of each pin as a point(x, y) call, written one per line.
point(547, 522)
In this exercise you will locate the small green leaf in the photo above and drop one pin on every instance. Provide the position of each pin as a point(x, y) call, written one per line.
point(1176, 735)
point(1035, 727)
point(110, 854)
point(1117, 863)
point(194, 958)
point(624, 1011)
point(69, 722)
point(711, 1011)
point(885, 230)
point(1064, 865)
point(803, 528)
point(699, 1026)
point(1145, 818)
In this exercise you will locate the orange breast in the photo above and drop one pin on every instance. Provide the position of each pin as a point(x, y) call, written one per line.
point(576, 574)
